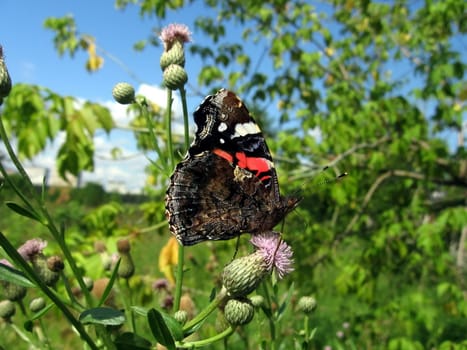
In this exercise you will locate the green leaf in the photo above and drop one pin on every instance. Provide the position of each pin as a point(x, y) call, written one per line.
point(132, 341)
point(102, 315)
point(11, 275)
point(160, 330)
point(109, 285)
point(22, 211)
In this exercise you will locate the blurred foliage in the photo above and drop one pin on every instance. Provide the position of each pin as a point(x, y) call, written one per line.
point(376, 89)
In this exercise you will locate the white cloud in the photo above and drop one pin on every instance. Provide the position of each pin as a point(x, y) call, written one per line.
point(126, 175)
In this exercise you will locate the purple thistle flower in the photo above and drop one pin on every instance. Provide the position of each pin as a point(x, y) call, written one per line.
point(32, 248)
point(160, 284)
point(5, 261)
point(175, 32)
point(276, 252)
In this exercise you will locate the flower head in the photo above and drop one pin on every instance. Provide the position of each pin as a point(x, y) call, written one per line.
point(276, 253)
point(175, 32)
point(5, 262)
point(32, 248)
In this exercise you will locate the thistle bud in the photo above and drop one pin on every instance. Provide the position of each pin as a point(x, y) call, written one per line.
point(243, 275)
point(176, 55)
point(37, 304)
point(127, 267)
point(7, 309)
point(123, 93)
point(239, 311)
point(174, 77)
point(257, 300)
point(5, 80)
point(306, 304)
point(40, 266)
point(13, 292)
point(181, 316)
point(55, 264)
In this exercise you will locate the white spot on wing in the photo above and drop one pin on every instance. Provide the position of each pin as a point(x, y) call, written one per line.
point(222, 127)
point(244, 129)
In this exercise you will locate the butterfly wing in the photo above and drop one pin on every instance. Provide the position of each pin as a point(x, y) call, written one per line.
point(210, 199)
point(227, 184)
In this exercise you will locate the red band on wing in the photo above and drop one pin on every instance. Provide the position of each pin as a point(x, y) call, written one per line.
point(223, 154)
point(256, 165)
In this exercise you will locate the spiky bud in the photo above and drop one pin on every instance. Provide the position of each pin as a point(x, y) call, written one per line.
point(127, 267)
point(174, 77)
point(176, 55)
point(239, 311)
point(306, 304)
point(41, 267)
point(7, 309)
point(181, 316)
point(55, 264)
point(257, 300)
point(37, 304)
point(123, 93)
point(5, 80)
point(13, 292)
point(243, 275)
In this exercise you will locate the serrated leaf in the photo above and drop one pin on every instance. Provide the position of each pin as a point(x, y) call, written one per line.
point(132, 341)
point(102, 315)
point(14, 276)
point(160, 330)
point(22, 211)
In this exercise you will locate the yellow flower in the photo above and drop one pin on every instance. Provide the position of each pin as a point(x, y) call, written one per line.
point(168, 259)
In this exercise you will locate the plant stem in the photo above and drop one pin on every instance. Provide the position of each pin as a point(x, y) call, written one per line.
point(201, 343)
point(206, 311)
point(27, 269)
point(44, 216)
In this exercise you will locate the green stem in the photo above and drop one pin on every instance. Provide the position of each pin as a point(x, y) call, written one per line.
point(206, 311)
point(186, 129)
point(201, 343)
point(27, 269)
point(144, 110)
point(128, 304)
point(272, 327)
point(45, 218)
point(168, 127)
point(181, 248)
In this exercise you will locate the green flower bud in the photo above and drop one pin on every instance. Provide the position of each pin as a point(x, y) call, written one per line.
point(88, 282)
point(239, 311)
point(123, 93)
point(306, 304)
point(5, 80)
point(37, 304)
point(176, 55)
point(174, 77)
point(243, 275)
point(41, 267)
point(13, 292)
point(257, 300)
point(127, 267)
point(181, 316)
point(7, 309)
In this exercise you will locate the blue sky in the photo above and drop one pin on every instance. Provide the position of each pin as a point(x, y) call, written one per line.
point(32, 58)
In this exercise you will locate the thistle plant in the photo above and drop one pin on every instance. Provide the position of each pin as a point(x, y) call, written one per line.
point(94, 307)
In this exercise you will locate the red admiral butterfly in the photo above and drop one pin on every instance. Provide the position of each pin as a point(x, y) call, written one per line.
point(227, 184)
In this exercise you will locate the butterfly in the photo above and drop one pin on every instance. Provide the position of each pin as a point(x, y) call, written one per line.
point(227, 184)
